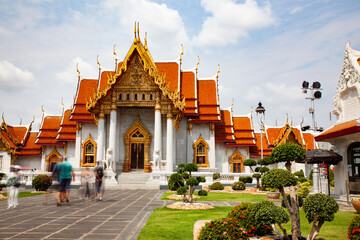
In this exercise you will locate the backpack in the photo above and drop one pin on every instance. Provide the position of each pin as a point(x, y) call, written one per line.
point(100, 172)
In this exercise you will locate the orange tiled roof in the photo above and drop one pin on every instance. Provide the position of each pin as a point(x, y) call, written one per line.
point(224, 131)
point(67, 131)
point(30, 148)
point(171, 71)
point(104, 79)
point(7, 139)
point(86, 88)
point(243, 132)
point(339, 130)
point(256, 150)
point(187, 90)
point(209, 109)
point(272, 134)
point(309, 141)
point(49, 131)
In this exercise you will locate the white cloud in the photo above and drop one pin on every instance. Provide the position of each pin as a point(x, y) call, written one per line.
point(295, 10)
point(86, 69)
point(230, 21)
point(12, 77)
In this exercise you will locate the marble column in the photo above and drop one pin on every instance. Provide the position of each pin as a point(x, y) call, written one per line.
point(112, 135)
point(169, 141)
point(78, 145)
point(101, 137)
point(157, 133)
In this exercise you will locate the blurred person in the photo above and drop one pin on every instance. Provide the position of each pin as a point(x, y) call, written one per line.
point(99, 174)
point(66, 173)
point(87, 179)
point(13, 182)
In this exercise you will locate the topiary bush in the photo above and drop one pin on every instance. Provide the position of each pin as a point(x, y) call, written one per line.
point(250, 163)
point(243, 214)
point(302, 179)
point(175, 182)
point(41, 182)
point(354, 229)
point(237, 186)
point(319, 208)
point(300, 201)
point(278, 178)
point(217, 186)
point(263, 169)
point(303, 189)
point(246, 179)
point(267, 213)
point(332, 183)
point(202, 193)
point(216, 176)
point(299, 173)
point(288, 152)
point(225, 228)
point(257, 176)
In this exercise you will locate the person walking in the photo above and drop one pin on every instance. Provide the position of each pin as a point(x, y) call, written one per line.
point(66, 173)
point(13, 182)
point(87, 178)
point(99, 174)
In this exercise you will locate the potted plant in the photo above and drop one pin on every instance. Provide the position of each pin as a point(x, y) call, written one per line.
point(355, 201)
point(273, 194)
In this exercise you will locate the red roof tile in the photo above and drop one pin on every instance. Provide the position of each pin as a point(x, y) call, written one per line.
point(67, 131)
point(49, 131)
point(171, 70)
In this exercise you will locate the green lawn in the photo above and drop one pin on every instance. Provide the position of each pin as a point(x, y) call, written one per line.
point(23, 194)
point(228, 197)
point(167, 223)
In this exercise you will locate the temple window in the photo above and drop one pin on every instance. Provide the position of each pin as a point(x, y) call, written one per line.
point(135, 96)
point(201, 153)
point(88, 152)
point(143, 97)
point(151, 98)
point(236, 162)
point(128, 97)
point(120, 97)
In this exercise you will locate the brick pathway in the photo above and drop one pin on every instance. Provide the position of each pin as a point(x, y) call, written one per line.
point(121, 216)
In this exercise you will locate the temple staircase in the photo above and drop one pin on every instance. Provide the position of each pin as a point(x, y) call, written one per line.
point(135, 180)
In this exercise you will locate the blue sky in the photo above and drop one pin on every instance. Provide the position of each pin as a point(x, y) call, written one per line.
point(265, 49)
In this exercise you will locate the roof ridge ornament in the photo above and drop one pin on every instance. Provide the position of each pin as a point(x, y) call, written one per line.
point(197, 64)
point(182, 53)
point(116, 58)
point(77, 69)
point(62, 104)
point(42, 109)
point(145, 41)
point(97, 61)
point(3, 117)
point(217, 83)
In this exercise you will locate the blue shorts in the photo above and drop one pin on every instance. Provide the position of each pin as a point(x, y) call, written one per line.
point(64, 185)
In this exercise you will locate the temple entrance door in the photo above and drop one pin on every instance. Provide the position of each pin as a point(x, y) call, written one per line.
point(137, 156)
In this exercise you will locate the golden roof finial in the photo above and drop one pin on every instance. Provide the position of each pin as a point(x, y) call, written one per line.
point(116, 56)
point(20, 121)
point(138, 30)
point(145, 41)
point(217, 73)
point(42, 109)
point(291, 122)
point(182, 53)
point(287, 118)
point(3, 117)
point(135, 33)
point(197, 64)
point(32, 120)
point(232, 105)
point(77, 69)
point(62, 103)
point(302, 121)
point(97, 61)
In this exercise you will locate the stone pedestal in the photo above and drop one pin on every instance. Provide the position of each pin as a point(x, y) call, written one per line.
point(109, 178)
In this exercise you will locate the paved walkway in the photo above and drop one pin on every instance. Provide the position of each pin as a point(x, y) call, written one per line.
point(120, 216)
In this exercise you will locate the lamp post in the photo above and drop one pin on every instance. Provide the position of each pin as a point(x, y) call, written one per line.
point(260, 110)
point(314, 94)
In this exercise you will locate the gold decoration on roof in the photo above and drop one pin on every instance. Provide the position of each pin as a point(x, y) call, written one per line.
point(97, 61)
point(284, 136)
point(116, 56)
point(77, 69)
point(197, 64)
point(42, 109)
point(62, 104)
point(232, 106)
point(145, 41)
point(182, 53)
point(148, 66)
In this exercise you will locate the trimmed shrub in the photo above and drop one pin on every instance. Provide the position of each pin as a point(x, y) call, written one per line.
point(217, 186)
point(216, 176)
point(331, 174)
point(300, 201)
point(175, 182)
point(246, 179)
point(311, 182)
point(299, 173)
point(303, 189)
point(41, 182)
point(322, 205)
point(256, 175)
point(201, 179)
point(202, 193)
point(192, 182)
point(311, 174)
point(302, 179)
point(185, 175)
point(288, 152)
point(242, 213)
point(236, 186)
point(190, 167)
point(278, 178)
point(354, 229)
point(264, 169)
point(181, 190)
point(267, 213)
point(265, 161)
point(250, 163)
point(225, 228)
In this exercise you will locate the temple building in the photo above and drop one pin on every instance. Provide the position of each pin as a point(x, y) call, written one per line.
point(345, 134)
point(145, 116)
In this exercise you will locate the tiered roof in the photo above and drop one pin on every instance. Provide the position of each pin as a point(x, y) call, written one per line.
point(18, 140)
point(48, 132)
point(67, 131)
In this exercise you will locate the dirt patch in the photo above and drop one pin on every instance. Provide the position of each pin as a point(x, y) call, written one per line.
point(189, 206)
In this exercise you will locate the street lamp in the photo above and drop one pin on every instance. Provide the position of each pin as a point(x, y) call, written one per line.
point(260, 110)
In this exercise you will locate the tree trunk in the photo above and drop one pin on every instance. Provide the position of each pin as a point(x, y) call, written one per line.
point(288, 166)
point(190, 194)
point(284, 231)
point(257, 183)
point(293, 211)
point(315, 228)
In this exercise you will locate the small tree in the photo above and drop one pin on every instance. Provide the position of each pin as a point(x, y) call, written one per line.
point(318, 209)
point(250, 163)
point(288, 152)
point(257, 176)
point(280, 178)
point(182, 181)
